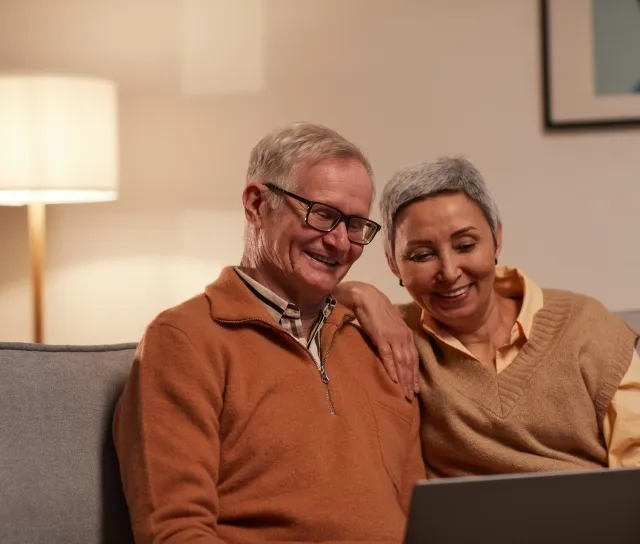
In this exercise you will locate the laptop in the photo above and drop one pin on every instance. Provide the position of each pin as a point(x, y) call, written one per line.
point(601, 506)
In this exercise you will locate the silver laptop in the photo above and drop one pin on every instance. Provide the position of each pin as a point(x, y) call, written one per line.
point(601, 506)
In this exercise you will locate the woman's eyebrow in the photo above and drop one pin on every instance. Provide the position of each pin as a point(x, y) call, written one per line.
point(464, 230)
point(425, 241)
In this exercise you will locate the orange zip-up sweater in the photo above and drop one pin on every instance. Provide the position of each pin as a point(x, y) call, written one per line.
point(224, 430)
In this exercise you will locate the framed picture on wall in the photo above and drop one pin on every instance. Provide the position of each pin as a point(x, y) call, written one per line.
point(591, 62)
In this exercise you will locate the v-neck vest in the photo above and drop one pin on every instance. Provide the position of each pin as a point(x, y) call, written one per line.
point(544, 412)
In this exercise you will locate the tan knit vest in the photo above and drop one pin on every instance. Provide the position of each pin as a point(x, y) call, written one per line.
point(544, 412)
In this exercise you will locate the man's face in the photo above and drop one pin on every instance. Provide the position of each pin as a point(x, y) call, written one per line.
point(308, 264)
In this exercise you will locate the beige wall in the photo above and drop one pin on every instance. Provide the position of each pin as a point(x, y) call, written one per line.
point(407, 80)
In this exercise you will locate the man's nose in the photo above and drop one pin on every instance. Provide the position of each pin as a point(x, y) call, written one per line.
point(338, 237)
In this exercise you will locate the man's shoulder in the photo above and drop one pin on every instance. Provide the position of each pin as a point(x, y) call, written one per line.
point(186, 316)
point(198, 310)
point(356, 350)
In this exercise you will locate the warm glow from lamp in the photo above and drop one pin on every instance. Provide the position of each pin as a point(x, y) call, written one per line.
point(58, 140)
point(58, 144)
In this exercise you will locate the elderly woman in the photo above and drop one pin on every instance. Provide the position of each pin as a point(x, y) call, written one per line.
point(514, 378)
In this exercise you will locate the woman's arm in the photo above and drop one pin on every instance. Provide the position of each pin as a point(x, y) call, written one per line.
point(622, 421)
point(384, 324)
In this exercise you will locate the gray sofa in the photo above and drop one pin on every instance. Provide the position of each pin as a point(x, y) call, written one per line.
point(59, 478)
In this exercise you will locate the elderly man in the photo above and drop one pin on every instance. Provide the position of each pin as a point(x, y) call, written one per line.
point(258, 410)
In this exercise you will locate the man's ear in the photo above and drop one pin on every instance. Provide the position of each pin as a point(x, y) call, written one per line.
point(255, 205)
point(392, 266)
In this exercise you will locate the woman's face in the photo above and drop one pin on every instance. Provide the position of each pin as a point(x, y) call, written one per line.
point(445, 256)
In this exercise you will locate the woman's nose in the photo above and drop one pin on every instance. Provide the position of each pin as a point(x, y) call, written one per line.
point(449, 269)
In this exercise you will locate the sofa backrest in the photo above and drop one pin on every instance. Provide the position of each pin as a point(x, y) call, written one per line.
point(59, 477)
point(632, 317)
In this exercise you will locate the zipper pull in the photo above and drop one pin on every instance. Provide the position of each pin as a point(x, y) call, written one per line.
point(323, 375)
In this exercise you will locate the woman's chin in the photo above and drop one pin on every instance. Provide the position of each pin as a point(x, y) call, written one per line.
point(453, 317)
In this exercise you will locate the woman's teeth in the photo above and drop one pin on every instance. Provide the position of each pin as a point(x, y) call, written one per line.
point(456, 293)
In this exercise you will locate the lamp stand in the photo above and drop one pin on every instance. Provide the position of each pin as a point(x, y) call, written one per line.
point(36, 219)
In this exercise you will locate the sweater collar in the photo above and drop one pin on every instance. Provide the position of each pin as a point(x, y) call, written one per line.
point(231, 300)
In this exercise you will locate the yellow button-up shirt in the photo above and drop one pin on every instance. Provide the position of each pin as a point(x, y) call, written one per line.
point(621, 426)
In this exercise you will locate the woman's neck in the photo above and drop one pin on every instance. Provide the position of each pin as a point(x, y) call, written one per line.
point(490, 329)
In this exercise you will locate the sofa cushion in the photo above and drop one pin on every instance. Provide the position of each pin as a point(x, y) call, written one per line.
point(58, 469)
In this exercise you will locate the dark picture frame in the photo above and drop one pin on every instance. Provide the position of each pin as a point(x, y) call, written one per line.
point(569, 91)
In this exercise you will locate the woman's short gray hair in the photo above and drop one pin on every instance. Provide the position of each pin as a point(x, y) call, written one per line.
point(276, 157)
point(430, 178)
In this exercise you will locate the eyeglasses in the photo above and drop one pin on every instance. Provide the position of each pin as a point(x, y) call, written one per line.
point(325, 218)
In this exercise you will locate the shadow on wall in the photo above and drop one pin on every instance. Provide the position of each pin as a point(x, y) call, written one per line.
point(378, 72)
point(15, 296)
point(110, 269)
point(185, 138)
point(14, 245)
point(186, 131)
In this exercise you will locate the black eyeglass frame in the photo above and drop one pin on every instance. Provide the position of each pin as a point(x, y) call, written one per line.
point(341, 216)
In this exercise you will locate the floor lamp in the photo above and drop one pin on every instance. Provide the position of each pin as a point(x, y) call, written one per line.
point(58, 144)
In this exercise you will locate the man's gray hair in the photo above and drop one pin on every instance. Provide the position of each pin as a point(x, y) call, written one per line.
point(428, 179)
point(276, 158)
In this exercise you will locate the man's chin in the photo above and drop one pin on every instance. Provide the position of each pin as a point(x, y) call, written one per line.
point(321, 288)
point(318, 286)
point(323, 277)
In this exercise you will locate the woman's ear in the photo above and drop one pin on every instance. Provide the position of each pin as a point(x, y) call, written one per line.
point(392, 266)
point(254, 203)
point(498, 241)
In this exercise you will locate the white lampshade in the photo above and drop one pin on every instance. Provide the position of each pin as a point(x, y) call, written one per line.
point(58, 140)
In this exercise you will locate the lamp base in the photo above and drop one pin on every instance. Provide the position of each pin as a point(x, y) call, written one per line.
point(36, 215)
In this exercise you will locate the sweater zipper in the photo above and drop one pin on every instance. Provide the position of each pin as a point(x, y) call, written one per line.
point(323, 373)
point(325, 377)
point(323, 360)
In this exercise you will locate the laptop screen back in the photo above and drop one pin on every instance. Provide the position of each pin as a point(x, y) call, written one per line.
point(600, 506)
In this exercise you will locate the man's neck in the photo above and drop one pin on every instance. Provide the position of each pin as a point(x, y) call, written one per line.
point(309, 310)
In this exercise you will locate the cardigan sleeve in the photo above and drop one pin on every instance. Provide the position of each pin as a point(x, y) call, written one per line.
point(621, 426)
point(166, 432)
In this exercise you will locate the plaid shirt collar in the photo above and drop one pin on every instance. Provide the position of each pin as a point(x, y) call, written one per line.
point(286, 313)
